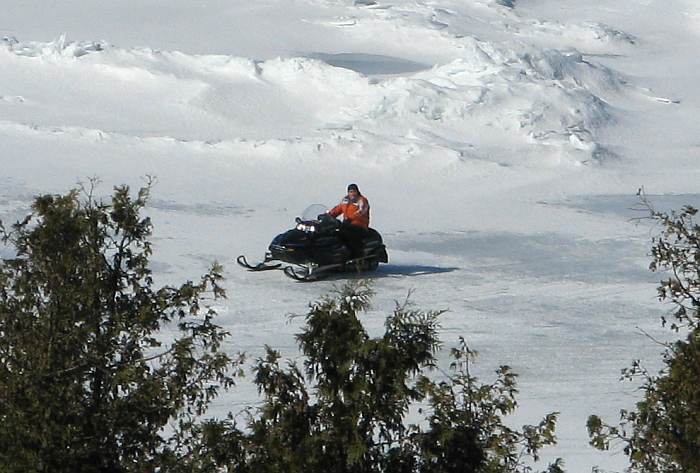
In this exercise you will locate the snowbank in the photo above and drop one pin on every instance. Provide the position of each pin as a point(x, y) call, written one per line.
point(547, 104)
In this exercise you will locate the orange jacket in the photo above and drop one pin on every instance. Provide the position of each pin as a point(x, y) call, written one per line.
point(357, 213)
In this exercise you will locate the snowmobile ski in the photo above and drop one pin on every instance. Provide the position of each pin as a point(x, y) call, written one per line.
point(262, 266)
point(308, 274)
point(314, 273)
point(289, 271)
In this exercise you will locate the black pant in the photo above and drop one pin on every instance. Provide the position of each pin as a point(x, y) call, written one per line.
point(352, 236)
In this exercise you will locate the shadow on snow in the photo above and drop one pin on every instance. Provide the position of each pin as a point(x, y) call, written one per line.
point(392, 271)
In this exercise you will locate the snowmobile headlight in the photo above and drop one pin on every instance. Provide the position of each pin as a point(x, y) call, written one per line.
point(306, 228)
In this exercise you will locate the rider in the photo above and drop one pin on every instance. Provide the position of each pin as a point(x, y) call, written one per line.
point(355, 210)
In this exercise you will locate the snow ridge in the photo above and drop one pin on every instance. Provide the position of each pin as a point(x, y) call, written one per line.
point(546, 104)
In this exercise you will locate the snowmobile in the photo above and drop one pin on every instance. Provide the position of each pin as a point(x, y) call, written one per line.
point(314, 249)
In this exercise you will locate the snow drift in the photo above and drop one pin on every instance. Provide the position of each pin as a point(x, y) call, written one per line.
point(546, 103)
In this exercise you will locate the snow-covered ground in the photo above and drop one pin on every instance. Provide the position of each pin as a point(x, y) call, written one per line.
point(501, 144)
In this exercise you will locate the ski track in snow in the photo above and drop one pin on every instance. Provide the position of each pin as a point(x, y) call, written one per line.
point(499, 141)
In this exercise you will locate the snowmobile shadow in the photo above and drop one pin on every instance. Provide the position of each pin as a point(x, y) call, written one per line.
point(396, 270)
point(392, 271)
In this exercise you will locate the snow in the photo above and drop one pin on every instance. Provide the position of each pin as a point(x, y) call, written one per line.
point(500, 143)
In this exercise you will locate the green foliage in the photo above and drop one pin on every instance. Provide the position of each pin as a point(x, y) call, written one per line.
point(346, 408)
point(467, 432)
point(663, 434)
point(87, 382)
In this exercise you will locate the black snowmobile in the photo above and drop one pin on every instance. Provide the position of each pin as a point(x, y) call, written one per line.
point(315, 248)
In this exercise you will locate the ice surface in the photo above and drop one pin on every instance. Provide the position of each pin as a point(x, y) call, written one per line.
point(370, 64)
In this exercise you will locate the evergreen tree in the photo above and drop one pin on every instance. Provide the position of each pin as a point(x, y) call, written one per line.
point(345, 409)
point(663, 434)
point(87, 380)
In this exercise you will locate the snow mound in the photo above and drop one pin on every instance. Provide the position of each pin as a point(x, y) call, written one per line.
point(12, 99)
point(58, 48)
point(533, 106)
point(493, 98)
point(503, 3)
point(591, 35)
point(606, 33)
point(430, 27)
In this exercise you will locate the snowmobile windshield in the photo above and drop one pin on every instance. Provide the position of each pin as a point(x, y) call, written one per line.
point(312, 212)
